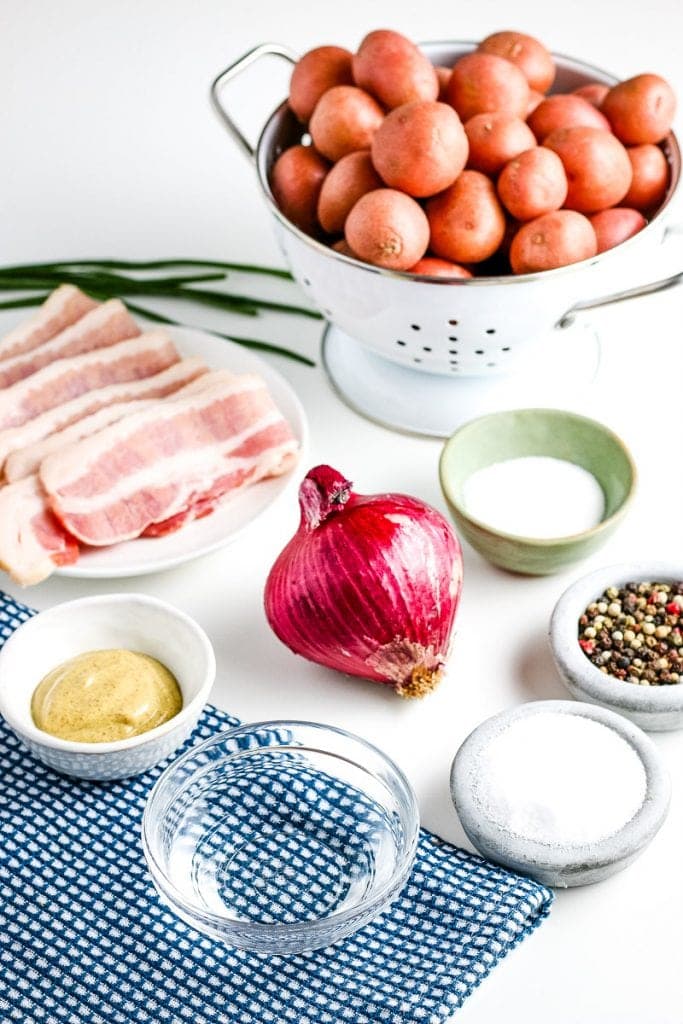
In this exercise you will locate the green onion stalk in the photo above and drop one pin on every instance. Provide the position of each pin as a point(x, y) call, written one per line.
point(107, 279)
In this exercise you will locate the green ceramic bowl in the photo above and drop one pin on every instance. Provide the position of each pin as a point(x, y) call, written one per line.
point(544, 432)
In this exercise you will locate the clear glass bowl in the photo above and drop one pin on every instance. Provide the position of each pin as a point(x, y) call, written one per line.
point(280, 837)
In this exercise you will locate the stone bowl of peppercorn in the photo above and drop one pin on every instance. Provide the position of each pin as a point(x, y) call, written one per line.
point(617, 639)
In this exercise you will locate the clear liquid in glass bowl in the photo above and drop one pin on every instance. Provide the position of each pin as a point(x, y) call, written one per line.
point(280, 836)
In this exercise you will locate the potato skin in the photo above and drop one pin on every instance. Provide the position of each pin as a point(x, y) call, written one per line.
point(594, 92)
point(641, 109)
point(443, 76)
point(495, 139)
point(388, 229)
point(614, 226)
point(650, 177)
point(564, 110)
point(467, 221)
point(342, 246)
point(482, 82)
point(296, 180)
point(432, 266)
point(344, 120)
point(535, 98)
point(394, 70)
point(553, 240)
point(420, 148)
point(596, 164)
point(317, 71)
point(532, 184)
point(529, 54)
point(349, 179)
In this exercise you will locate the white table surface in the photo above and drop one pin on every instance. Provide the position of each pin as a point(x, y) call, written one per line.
point(109, 148)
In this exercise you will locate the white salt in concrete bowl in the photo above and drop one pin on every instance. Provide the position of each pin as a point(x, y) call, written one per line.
point(656, 708)
point(553, 864)
point(131, 621)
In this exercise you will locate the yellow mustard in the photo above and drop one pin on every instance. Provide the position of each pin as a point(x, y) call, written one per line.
point(103, 696)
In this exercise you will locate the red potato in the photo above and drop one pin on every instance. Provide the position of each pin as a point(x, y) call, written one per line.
point(532, 184)
point(344, 248)
point(596, 164)
point(564, 110)
point(641, 109)
point(481, 83)
point(420, 148)
point(553, 240)
point(432, 266)
point(531, 56)
point(614, 226)
point(444, 76)
point(494, 139)
point(388, 229)
point(344, 120)
point(593, 92)
point(394, 69)
point(316, 72)
point(296, 179)
point(467, 221)
point(650, 177)
point(346, 182)
point(535, 98)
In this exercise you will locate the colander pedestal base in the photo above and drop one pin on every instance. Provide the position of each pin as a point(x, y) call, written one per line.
point(435, 405)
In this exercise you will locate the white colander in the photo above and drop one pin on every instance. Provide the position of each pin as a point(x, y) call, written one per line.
point(457, 329)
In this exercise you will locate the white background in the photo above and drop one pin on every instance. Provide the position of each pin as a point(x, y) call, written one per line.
point(109, 148)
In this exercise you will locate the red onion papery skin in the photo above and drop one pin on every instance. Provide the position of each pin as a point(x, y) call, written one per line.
point(368, 585)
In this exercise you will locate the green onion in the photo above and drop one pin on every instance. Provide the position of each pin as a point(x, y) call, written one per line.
point(102, 279)
point(241, 268)
point(24, 302)
point(264, 346)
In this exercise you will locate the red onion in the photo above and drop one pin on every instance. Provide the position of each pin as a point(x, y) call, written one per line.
point(368, 585)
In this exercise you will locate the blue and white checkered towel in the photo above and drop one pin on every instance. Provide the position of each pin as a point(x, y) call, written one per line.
point(85, 940)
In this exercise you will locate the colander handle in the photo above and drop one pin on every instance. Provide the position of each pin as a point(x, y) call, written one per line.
point(235, 69)
point(628, 293)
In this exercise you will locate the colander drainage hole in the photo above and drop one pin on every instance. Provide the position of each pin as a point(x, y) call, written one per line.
point(417, 359)
point(490, 364)
point(452, 337)
point(453, 323)
point(400, 342)
point(426, 348)
point(452, 351)
point(490, 330)
point(416, 327)
point(505, 349)
point(478, 351)
point(307, 282)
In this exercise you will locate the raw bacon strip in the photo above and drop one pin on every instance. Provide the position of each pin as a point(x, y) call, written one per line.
point(32, 540)
point(68, 378)
point(63, 307)
point(27, 460)
point(102, 326)
point(156, 386)
point(152, 471)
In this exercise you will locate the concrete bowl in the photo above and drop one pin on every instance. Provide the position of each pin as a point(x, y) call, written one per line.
point(553, 864)
point(655, 708)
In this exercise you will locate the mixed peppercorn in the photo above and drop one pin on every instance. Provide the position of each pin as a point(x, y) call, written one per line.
point(635, 633)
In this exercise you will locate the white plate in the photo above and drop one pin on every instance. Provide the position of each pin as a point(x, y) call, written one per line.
point(236, 514)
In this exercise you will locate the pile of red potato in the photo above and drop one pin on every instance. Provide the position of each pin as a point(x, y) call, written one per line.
point(470, 169)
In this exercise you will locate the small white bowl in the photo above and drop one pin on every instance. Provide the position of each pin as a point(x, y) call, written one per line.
point(130, 621)
point(655, 708)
